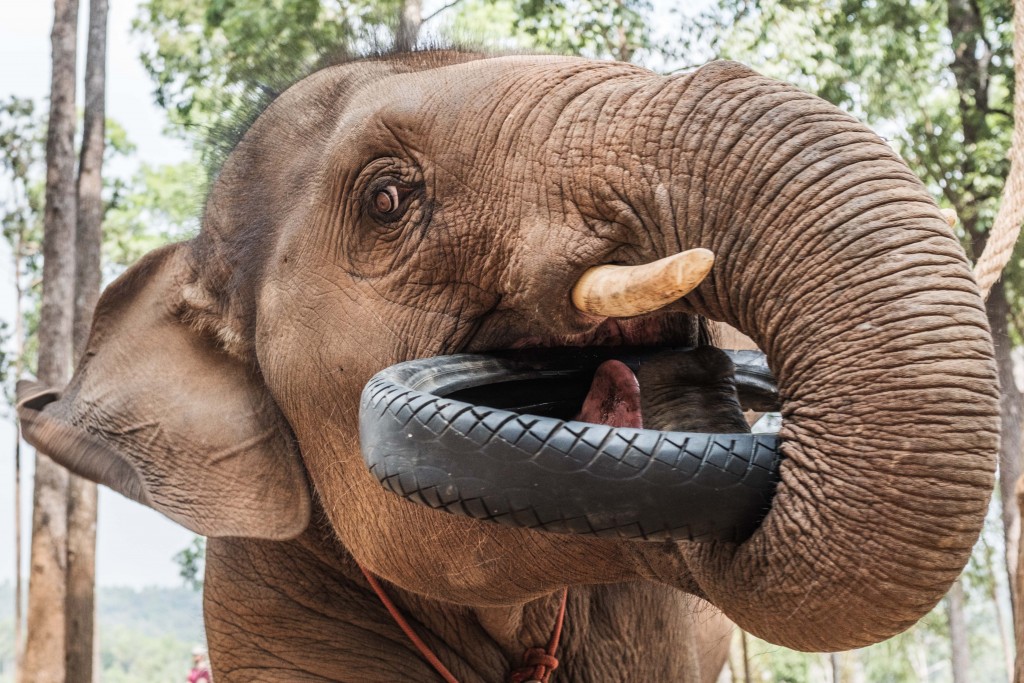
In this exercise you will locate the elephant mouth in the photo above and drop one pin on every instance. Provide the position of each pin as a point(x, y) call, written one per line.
point(562, 438)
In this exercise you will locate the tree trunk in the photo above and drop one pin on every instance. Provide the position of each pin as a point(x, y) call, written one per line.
point(836, 666)
point(1011, 408)
point(410, 19)
point(961, 658)
point(44, 645)
point(917, 654)
point(746, 656)
point(971, 59)
point(735, 668)
point(1018, 581)
point(18, 615)
point(19, 369)
point(1004, 640)
point(81, 607)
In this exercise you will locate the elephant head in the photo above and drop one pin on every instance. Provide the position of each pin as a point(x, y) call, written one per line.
point(421, 205)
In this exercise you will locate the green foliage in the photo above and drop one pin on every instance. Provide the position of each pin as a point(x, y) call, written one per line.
point(209, 59)
point(157, 205)
point(192, 563)
point(153, 612)
point(8, 371)
point(215, 63)
point(21, 137)
point(147, 635)
point(143, 635)
point(772, 663)
point(491, 23)
point(595, 28)
point(21, 209)
point(117, 143)
point(128, 657)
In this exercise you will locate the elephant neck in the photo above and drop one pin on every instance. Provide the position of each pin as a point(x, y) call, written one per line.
point(267, 601)
point(627, 631)
point(506, 626)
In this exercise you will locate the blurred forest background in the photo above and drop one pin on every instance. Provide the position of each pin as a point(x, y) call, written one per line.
point(934, 77)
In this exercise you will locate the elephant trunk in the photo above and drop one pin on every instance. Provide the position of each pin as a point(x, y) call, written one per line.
point(832, 257)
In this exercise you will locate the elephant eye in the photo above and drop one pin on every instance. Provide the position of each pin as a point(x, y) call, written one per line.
point(386, 200)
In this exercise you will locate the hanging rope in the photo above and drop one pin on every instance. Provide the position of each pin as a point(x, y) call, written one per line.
point(1011, 209)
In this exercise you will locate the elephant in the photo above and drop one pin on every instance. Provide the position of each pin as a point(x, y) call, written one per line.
point(411, 206)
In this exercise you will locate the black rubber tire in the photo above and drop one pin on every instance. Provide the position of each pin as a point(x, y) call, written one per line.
point(549, 474)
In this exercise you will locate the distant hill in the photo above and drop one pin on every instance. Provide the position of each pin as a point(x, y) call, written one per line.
point(153, 612)
point(145, 636)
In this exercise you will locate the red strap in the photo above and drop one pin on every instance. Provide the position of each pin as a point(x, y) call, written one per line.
point(537, 663)
point(404, 625)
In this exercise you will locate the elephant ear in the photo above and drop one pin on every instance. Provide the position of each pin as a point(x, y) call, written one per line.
point(159, 412)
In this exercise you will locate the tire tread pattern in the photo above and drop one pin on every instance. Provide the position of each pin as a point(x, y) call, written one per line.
point(562, 476)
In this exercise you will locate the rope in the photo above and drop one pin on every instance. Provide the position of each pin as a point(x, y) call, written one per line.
point(538, 663)
point(408, 630)
point(1006, 228)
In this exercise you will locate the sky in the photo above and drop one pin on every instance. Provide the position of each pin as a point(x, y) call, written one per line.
point(135, 545)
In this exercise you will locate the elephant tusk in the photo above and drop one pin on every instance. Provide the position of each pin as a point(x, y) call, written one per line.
point(949, 215)
point(624, 291)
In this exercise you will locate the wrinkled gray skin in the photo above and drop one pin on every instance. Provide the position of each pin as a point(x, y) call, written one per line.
point(222, 376)
point(690, 392)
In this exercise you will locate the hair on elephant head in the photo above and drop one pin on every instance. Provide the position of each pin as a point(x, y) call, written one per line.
point(430, 204)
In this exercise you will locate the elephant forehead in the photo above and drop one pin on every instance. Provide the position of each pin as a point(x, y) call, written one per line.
point(481, 93)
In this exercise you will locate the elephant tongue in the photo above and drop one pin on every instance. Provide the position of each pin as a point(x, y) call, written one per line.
point(614, 397)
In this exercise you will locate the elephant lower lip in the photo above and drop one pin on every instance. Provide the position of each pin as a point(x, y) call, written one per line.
point(492, 437)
